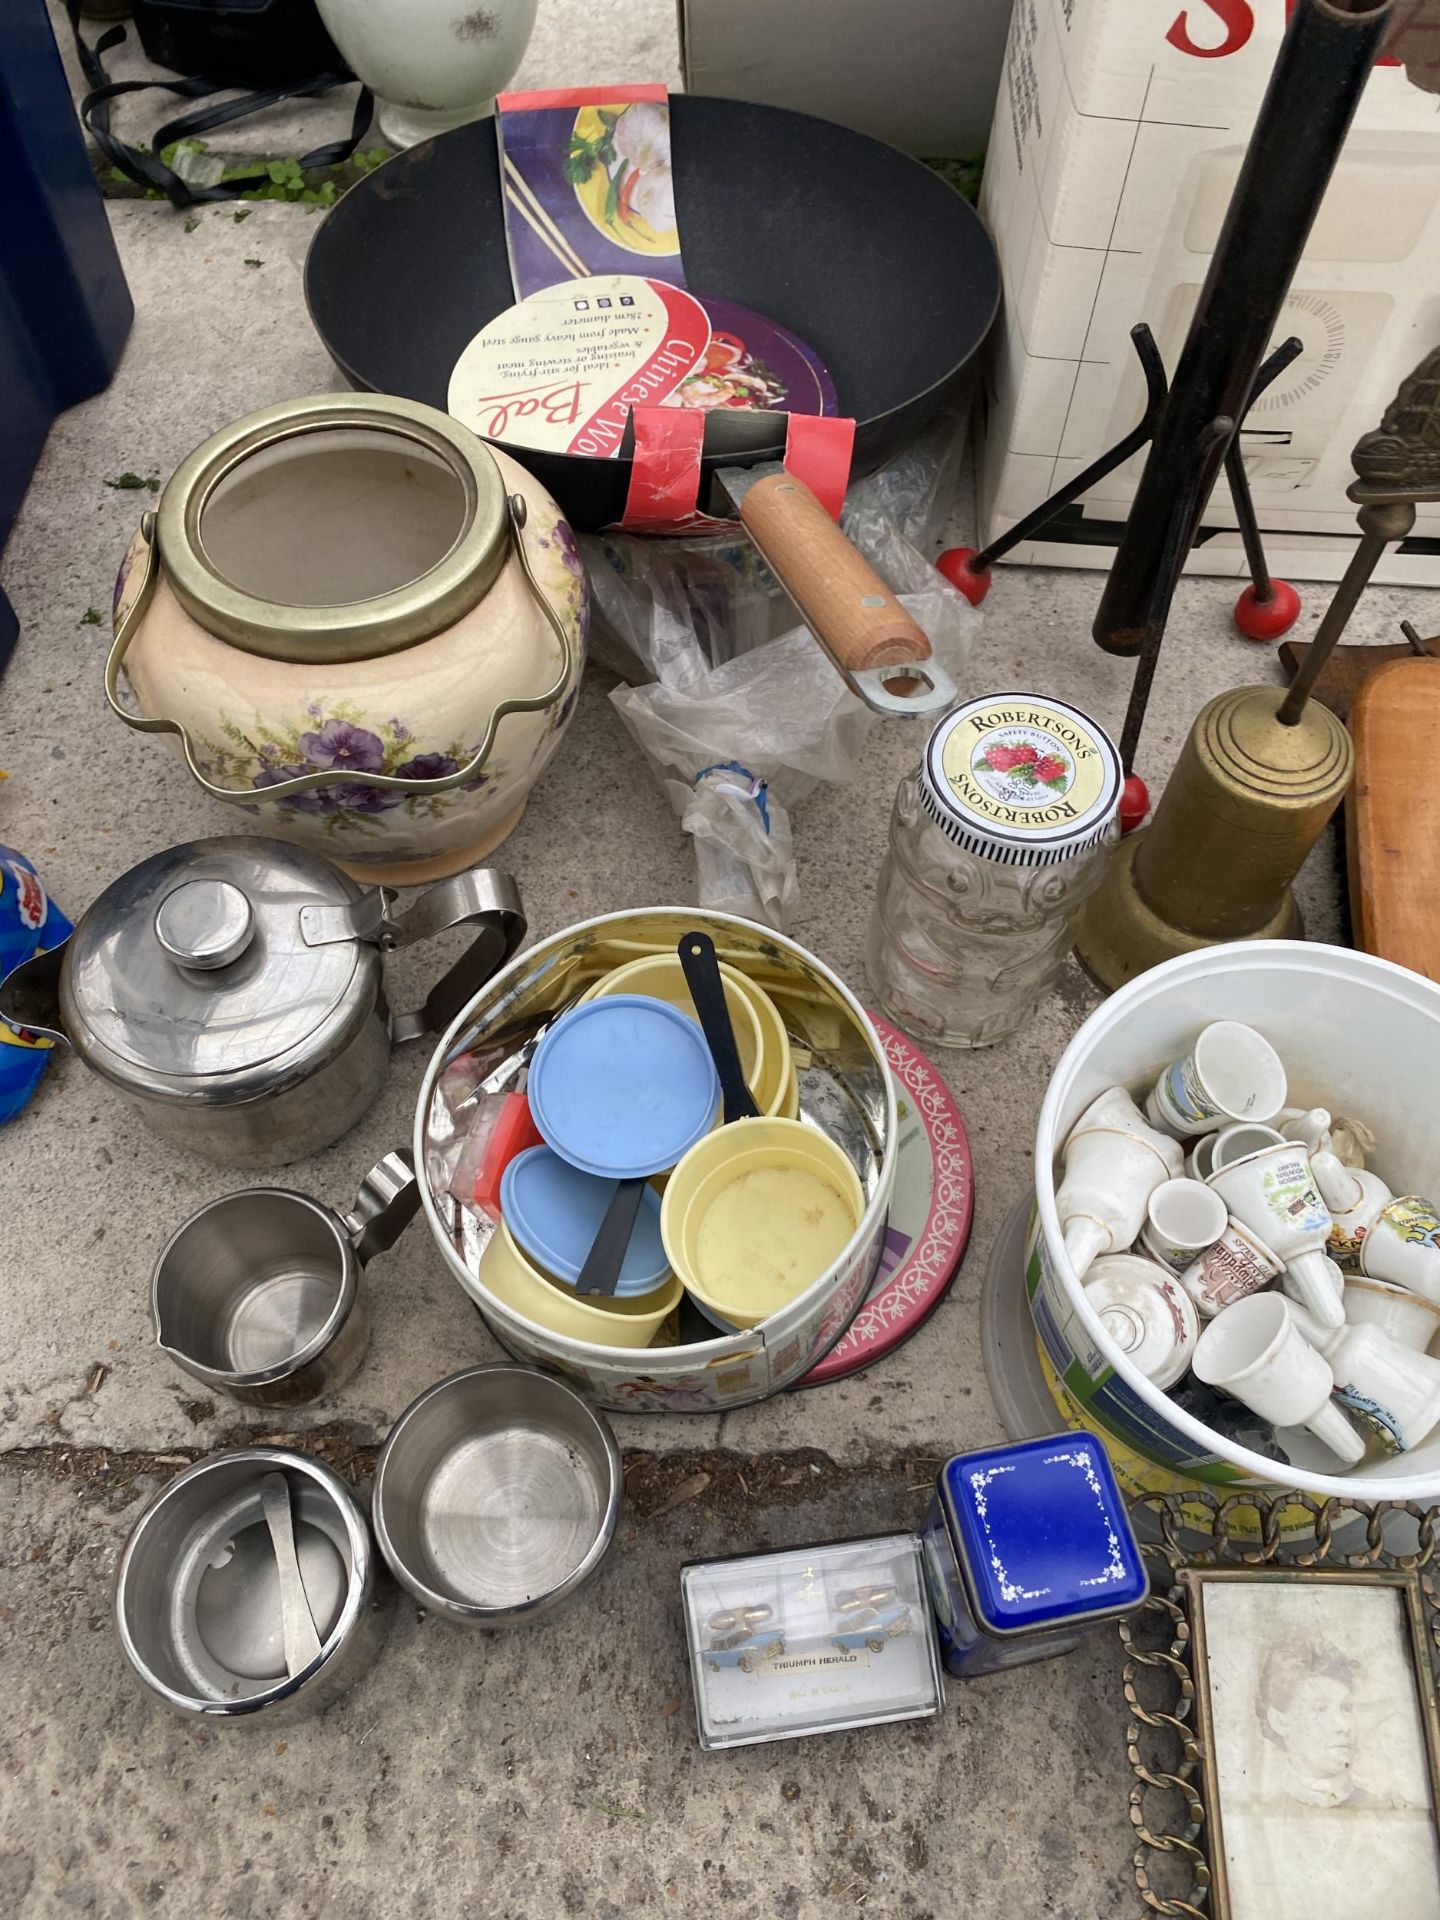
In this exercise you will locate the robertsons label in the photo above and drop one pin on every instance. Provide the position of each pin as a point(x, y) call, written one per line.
point(1010, 769)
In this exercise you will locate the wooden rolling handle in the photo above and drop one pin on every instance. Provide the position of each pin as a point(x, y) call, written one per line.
point(841, 598)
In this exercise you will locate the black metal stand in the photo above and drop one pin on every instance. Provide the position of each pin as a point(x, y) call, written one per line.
point(1264, 590)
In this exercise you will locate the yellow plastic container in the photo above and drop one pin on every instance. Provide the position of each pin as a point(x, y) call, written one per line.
point(615, 1322)
point(755, 1213)
point(778, 1090)
point(661, 976)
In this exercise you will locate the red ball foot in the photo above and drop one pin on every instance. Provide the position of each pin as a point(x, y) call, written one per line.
point(1267, 619)
point(954, 563)
point(1134, 803)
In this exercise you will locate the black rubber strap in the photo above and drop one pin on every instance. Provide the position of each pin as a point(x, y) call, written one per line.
point(147, 169)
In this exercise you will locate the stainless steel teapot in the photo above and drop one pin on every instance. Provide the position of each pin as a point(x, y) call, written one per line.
point(232, 989)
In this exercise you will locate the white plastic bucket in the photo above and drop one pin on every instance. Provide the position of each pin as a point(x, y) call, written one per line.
point(1357, 1035)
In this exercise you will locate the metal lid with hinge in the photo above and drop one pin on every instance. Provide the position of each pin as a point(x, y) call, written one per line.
point(192, 974)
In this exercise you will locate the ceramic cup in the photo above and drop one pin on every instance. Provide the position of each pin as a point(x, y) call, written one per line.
point(1147, 1314)
point(1403, 1245)
point(1255, 1351)
point(1182, 1218)
point(1200, 1161)
point(1393, 1390)
point(1231, 1073)
point(1239, 1141)
point(1274, 1193)
point(1296, 1294)
point(1238, 1264)
point(1407, 1317)
point(1113, 1163)
point(1354, 1198)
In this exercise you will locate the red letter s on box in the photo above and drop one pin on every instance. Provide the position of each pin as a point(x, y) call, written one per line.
point(1235, 16)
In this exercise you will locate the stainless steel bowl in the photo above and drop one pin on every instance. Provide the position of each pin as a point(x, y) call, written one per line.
point(199, 1593)
point(496, 1495)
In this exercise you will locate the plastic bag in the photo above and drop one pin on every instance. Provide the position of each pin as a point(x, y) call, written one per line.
point(739, 711)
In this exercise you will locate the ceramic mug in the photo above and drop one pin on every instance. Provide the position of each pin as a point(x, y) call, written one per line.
point(1393, 1390)
point(1231, 1073)
point(1238, 1264)
point(1239, 1141)
point(1255, 1351)
point(1147, 1314)
point(1182, 1219)
point(1407, 1317)
point(1113, 1163)
point(1274, 1193)
point(1403, 1245)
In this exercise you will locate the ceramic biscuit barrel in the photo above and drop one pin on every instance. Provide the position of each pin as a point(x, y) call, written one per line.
point(358, 624)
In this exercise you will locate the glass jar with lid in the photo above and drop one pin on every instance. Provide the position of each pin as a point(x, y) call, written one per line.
point(996, 840)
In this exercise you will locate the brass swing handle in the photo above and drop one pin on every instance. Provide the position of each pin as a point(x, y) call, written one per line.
point(328, 776)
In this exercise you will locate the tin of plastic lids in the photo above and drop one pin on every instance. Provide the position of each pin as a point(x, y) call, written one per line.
point(623, 1086)
point(810, 1640)
point(1021, 778)
point(554, 1211)
point(1041, 1535)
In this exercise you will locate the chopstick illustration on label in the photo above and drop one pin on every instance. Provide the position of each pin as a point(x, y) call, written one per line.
point(522, 197)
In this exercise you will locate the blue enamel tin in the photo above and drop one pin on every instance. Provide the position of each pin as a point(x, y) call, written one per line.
point(1027, 1546)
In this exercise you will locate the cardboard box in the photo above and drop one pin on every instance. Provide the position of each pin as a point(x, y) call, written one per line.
point(921, 74)
point(1117, 139)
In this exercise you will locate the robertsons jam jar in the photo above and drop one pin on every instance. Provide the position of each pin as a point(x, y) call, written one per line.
point(996, 841)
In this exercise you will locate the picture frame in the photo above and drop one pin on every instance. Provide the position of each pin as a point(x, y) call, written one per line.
point(1284, 1731)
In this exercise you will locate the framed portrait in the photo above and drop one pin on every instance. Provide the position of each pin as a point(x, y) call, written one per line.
point(1317, 1726)
point(1285, 1737)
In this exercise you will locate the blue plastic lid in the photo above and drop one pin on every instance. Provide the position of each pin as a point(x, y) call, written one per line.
point(623, 1086)
point(554, 1211)
point(1041, 1533)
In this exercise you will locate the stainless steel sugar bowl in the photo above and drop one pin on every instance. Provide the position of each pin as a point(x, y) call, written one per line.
point(250, 1585)
point(233, 990)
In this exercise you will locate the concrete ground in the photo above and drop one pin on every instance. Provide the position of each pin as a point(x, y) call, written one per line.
point(553, 1771)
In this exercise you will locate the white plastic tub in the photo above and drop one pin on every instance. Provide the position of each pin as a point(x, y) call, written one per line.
point(1357, 1035)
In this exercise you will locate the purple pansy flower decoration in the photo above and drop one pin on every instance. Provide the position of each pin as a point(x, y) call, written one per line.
point(364, 799)
point(341, 744)
point(400, 733)
point(316, 800)
point(569, 547)
point(427, 766)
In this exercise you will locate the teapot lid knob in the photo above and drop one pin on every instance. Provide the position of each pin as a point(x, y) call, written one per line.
point(204, 924)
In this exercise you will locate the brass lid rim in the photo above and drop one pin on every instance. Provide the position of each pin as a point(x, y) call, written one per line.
point(352, 630)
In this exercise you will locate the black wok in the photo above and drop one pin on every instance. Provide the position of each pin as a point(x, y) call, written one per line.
point(865, 253)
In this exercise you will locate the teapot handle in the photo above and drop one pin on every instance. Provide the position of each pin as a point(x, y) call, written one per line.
point(482, 896)
point(388, 1200)
point(473, 768)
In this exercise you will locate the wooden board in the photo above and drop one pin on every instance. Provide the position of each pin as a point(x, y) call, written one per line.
point(1393, 816)
point(1347, 669)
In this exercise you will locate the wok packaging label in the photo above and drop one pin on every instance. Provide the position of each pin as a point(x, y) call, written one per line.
point(588, 185)
point(604, 320)
point(563, 369)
